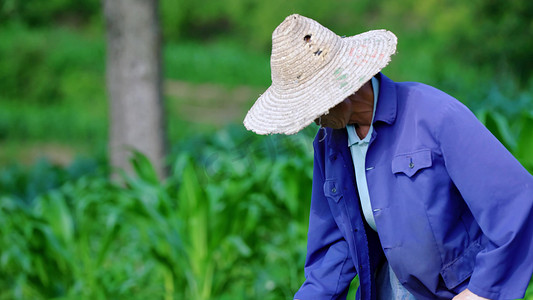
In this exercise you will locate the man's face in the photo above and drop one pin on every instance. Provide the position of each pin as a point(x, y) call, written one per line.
point(338, 117)
point(355, 109)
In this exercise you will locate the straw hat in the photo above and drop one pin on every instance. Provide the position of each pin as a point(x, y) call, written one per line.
point(313, 70)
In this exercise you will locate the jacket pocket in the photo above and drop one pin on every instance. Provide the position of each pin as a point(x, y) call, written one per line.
point(457, 271)
point(410, 163)
point(332, 190)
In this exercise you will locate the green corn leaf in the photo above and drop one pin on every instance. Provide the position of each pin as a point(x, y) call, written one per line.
point(498, 125)
point(59, 216)
point(143, 167)
point(240, 245)
point(524, 149)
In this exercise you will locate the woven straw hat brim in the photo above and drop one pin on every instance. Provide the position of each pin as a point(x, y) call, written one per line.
point(288, 106)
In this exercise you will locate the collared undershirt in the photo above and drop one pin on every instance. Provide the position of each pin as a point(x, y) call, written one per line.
point(358, 148)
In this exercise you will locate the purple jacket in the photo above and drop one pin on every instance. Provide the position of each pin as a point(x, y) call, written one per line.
point(453, 208)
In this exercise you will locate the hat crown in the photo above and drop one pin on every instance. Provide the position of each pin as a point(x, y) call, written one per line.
point(313, 70)
point(301, 47)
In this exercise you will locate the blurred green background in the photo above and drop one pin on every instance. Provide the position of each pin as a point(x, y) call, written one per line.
point(230, 221)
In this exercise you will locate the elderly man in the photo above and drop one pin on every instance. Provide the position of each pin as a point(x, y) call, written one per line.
point(410, 191)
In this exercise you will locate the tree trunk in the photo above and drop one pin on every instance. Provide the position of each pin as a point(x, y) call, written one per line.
point(134, 82)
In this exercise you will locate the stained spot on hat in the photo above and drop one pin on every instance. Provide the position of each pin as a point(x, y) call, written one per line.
point(307, 38)
point(318, 52)
point(299, 76)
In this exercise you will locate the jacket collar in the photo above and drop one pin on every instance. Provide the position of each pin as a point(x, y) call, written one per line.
point(387, 101)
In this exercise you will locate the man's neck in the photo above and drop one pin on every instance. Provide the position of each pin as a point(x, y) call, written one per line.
point(362, 106)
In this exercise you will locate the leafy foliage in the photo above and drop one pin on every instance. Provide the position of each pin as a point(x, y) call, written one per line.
point(505, 28)
point(230, 222)
point(486, 34)
point(39, 13)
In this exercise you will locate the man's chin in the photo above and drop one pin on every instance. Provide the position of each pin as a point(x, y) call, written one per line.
point(334, 126)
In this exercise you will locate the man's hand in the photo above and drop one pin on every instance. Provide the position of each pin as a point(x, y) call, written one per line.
point(468, 295)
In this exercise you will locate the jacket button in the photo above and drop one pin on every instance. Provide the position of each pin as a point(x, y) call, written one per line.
point(333, 190)
point(411, 165)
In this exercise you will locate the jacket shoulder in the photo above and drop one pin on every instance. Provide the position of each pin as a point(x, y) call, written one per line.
point(424, 100)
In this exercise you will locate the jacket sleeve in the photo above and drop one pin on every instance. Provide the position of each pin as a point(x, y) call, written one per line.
point(328, 268)
point(499, 193)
